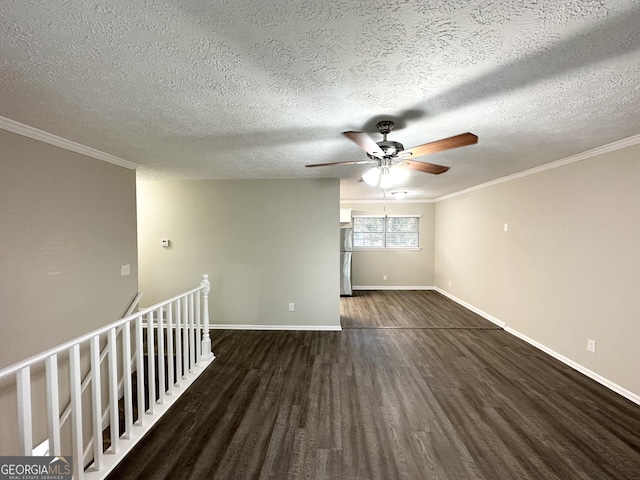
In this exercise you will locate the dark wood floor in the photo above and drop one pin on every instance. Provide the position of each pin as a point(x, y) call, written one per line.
point(468, 401)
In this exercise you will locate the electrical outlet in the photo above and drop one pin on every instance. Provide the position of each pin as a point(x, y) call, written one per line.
point(292, 307)
point(449, 282)
point(384, 277)
point(125, 269)
point(591, 345)
point(506, 227)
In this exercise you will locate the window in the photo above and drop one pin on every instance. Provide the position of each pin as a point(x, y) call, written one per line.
point(401, 231)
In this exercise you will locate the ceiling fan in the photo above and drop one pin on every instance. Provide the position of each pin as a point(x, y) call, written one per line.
point(391, 158)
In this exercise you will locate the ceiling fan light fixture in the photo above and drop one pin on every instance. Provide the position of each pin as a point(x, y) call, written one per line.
point(372, 176)
point(399, 174)
point(387, 180)
point(385, 175)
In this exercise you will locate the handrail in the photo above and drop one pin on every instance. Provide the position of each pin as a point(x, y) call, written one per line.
point(186, 318)
point(64, 416)
point(16, 367)
point(133, 305)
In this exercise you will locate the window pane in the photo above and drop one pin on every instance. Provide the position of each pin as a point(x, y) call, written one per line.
point(403, 232)
point(386, 232)
point(402, 239)
point(368, 232)
point(374, 240)
point(402, 224)
point(368, 224)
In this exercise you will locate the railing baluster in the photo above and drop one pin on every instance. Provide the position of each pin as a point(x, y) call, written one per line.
point(192, 349)
point(170, 347)
point(140, 370)
point(178, 342)
point(161, 384)
point(206, 337)
point(198, 330)
point(96, 401)
point(23, 384)
point(114, 421)
point(53, 405)
point(75, 378)
point(126, 379)
point(151, 363)
point(185, 336)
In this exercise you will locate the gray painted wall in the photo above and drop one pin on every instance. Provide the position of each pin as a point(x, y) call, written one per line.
point(567, 269)
point(67, 223)
point(403, 268)
point(264, 244)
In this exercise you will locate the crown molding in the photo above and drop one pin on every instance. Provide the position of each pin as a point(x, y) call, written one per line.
point(51, 139)
point(578, 157)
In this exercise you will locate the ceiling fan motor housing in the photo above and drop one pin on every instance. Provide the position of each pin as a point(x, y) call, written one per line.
point(390, 148)
point(385, 126)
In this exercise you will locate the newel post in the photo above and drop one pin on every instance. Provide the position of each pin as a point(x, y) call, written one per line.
point(206, 338)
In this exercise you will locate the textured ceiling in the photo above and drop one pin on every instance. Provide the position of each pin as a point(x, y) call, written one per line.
point(231, 89)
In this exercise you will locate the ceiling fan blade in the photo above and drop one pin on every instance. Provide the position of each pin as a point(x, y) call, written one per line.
point(441, 145)
point(423, 167)
point(365, 142)
point(340, 163)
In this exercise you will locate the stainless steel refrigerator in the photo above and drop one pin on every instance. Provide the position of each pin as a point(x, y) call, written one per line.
point(346, 247)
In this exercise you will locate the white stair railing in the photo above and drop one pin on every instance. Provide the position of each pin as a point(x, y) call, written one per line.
point(181, 322)
point(44, 448)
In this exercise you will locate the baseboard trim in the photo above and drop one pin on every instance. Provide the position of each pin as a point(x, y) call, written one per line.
point(468, 306)
point(580, 368)
point(393, 287)
point(629, 395)
point(233, 326)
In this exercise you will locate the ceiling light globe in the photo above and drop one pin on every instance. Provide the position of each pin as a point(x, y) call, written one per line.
point(372, 177)
point(387, 181)
point(398, 174)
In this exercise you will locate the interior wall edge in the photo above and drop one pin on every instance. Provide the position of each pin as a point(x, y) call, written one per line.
point(629, 395)
point(311, 328)
point(576, 366)
point(474, 309)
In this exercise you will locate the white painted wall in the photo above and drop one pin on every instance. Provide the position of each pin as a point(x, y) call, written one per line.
point(264, 243)
point(567, 269)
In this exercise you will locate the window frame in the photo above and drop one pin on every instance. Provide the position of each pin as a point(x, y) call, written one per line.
point(385, 247)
